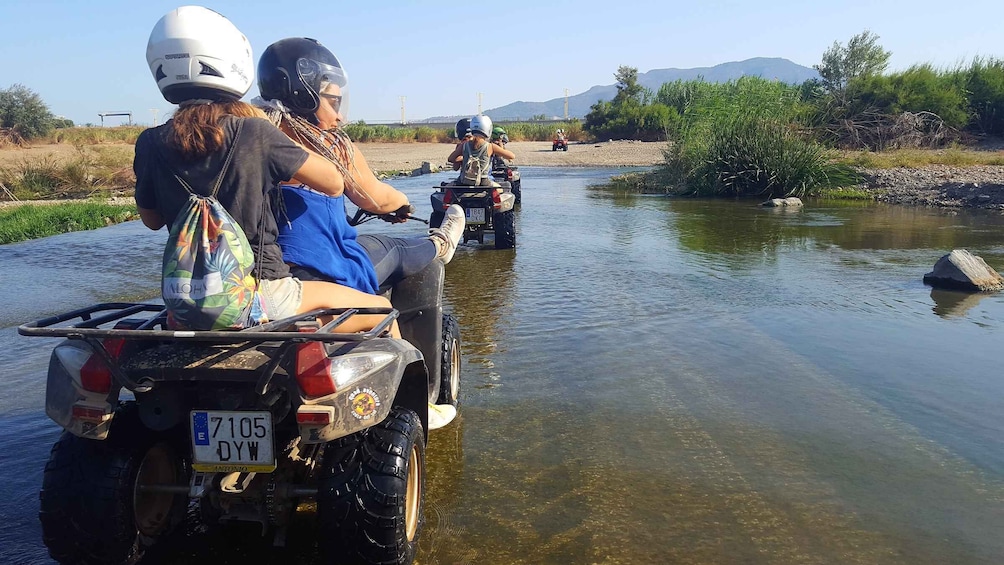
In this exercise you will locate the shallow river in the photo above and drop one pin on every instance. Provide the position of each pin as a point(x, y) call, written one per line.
point(646, 381)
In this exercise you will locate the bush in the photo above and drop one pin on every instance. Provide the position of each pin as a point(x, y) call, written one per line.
point(984, 82)
point(918, 89)
point(747, 139)
point(24, 111)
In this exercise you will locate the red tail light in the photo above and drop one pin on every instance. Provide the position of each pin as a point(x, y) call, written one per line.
point(508, 174)
point(313, 418)
point(447, 199)
point(95, 376)
point(497, 198)
point(313, 368)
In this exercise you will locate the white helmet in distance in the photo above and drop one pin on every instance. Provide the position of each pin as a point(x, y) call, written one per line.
point(481, 125)
point(195, 53)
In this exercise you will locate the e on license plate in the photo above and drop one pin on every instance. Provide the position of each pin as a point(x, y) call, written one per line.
point(227, 442)
point(475, 215)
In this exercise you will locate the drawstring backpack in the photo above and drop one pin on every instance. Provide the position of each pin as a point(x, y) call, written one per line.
point(473, 167)
point(209, 280)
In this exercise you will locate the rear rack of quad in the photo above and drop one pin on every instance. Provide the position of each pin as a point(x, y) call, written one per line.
point(91, 327)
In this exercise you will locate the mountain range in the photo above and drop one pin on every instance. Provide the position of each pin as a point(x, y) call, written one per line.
point(578, 105)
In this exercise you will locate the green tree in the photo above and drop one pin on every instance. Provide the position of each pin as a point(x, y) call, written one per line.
point(23, 110)
point(862, 57)
point(628, 88)
point(631, 114)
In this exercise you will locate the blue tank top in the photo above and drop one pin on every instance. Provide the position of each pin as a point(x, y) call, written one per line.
point(318, 236)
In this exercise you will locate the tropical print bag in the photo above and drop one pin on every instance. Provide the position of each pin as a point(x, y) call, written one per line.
point(208, 269)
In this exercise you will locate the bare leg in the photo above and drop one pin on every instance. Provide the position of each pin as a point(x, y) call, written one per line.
point(319, 294)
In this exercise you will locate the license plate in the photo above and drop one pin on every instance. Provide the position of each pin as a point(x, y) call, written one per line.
point(475, 215)
point(227, 442)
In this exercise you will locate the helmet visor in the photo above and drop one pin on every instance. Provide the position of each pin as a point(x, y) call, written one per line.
point(321, 77)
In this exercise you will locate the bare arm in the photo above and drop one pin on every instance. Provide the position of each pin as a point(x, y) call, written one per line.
point(321, 175)
point(457, 157)
point(502, 152)
point(372, 194)
point(151, 218)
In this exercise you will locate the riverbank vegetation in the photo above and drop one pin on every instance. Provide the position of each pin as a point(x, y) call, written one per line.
point(361, 132)
point(32, 221)
point(89, 171)
point(763, 138)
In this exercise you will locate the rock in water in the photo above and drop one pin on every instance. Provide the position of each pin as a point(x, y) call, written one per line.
point(961, 270)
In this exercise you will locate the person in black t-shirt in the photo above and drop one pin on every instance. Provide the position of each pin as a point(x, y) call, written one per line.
point(206, 76)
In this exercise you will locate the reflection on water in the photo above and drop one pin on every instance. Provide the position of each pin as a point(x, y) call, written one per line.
point(954, 304)
point(649, 380)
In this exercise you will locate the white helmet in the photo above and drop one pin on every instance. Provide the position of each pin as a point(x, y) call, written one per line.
point(195, 53)
point(482, 124)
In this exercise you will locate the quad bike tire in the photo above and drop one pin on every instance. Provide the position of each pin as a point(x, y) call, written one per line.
point(370, 500)
point(449, 378)
point(564, 148)
point(436, 219)
point(505, 229)
point(91, 509)
point(554, 148)
point(517, 192)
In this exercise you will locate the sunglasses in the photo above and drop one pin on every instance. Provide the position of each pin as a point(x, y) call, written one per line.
point(335, 100)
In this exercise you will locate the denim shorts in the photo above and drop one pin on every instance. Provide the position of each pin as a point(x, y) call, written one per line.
point(280, 298)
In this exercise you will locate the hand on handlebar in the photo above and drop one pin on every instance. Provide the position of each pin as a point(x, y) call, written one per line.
point(400, 215)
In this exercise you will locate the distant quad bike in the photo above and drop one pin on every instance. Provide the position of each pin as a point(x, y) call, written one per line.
point(489, 209)
point(560, 142)
point(502, 171)
point(245, 425)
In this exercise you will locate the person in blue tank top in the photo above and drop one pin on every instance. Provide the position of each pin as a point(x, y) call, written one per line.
point(302, 87)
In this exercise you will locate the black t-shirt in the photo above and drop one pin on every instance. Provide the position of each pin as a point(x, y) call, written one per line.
point(263, 157)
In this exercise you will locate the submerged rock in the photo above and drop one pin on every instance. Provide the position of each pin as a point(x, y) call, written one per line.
point(780, 202)
point(961, 270)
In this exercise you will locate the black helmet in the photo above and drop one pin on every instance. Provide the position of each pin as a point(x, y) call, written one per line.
point(293, 71)
point(463, 127)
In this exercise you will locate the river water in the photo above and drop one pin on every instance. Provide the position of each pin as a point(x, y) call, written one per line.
point(647, 380)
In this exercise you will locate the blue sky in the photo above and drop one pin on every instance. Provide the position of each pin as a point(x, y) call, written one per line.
point(89, 57)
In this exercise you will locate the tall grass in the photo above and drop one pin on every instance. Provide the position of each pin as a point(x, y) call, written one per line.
point(984, 81)
point(92, 171)
point(30, 222)
point(747, 138)
point(517, 131)
point(95, 135)
point(544, 131)
point(953, 156)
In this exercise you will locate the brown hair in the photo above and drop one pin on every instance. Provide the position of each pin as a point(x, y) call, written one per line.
point(196, 130)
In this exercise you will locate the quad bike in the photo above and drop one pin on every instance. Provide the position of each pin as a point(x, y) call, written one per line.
point(488, 209)
point(559, 143)
point(502, 171)
point(244, 425)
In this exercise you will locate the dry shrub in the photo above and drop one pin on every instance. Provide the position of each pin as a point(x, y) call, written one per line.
point(880, 132)
point(11, 138)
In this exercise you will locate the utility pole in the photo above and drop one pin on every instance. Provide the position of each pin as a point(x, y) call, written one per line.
point(403, 121)
point(479, 103)
point(155, 111)
point(566, 104)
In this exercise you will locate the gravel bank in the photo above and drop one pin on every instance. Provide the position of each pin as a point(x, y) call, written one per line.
point(979, 186)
